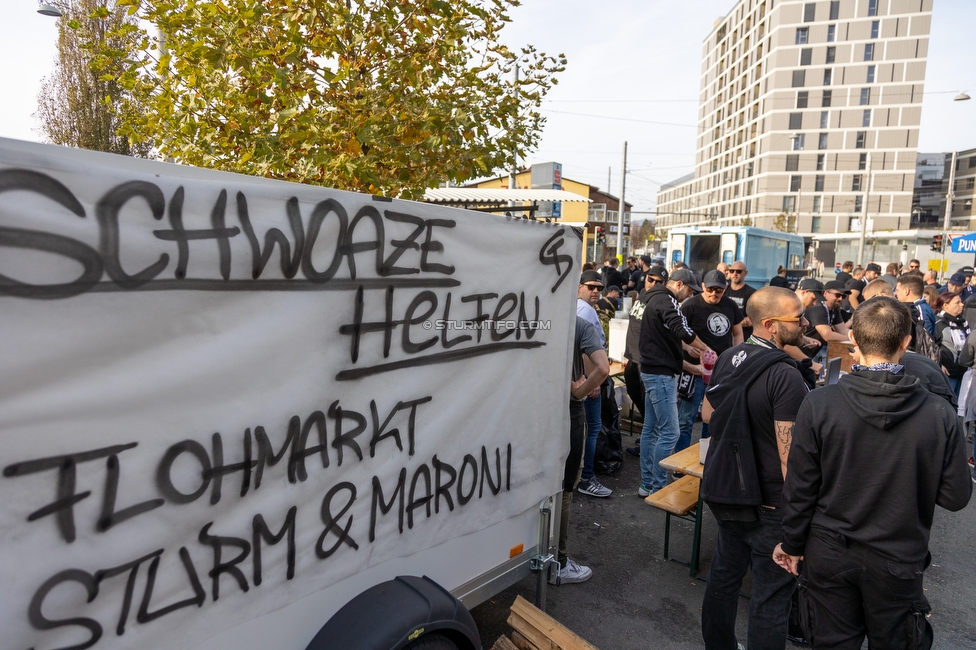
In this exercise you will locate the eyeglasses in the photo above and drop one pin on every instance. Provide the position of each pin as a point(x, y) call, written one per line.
point(834, 293)
point(784, 319)
point(714, 289)
point(736, 270)
point(593, 287)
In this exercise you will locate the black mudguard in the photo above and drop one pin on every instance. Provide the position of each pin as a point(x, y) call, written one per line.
point(390, 615)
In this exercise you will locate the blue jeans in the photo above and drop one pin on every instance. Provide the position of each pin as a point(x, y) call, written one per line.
point(687, 410)
point(743, 546)
point(956, 384)
point(660, 432)
point(594, 422)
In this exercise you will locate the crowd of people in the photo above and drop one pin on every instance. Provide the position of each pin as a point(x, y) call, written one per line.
point(831, 530)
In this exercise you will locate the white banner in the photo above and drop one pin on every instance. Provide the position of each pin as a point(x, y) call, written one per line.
point(219, 394)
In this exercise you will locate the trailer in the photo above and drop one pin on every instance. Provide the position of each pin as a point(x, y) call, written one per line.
point(244, 413)
point(763, 251)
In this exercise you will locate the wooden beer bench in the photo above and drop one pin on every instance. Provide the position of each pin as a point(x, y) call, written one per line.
point(682, 497)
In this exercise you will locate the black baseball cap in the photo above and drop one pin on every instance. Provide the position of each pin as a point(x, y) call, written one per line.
point(686, 276)
point(591, 276)
point(873, 267)
point(658, 272)
point(614, 287)
point(836, 285)
point(646, 259)
point(715, 280)
point(967, 270)
point(810, 284)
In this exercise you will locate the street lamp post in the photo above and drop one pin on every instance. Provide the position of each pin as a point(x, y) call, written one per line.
point(947, 222)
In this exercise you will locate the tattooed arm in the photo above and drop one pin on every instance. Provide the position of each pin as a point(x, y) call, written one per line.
point(784, 440)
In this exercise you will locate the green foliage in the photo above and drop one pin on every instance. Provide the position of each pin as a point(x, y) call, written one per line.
point(77, 103)
point(379, 96)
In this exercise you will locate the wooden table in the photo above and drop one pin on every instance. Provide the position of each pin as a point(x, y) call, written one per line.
point(616, 368)
point(687, 461)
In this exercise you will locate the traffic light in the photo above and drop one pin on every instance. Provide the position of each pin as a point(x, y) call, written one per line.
point(937, 243)
point(600, 236)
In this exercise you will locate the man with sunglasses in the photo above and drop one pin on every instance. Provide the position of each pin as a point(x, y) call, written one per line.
point(739, 292)
point(718, 322)
point(755, 391)
point(588, 295)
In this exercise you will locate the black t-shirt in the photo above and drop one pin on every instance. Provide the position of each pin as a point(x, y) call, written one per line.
point(712, 323)
point(817, 315)
point(844, 277)
point(741, 298)
point(778, 281)
point(637, 276)
point(774, 396)
point(856, 285)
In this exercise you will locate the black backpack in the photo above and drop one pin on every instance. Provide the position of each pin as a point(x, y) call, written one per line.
point(730, 481)
point(923, 342)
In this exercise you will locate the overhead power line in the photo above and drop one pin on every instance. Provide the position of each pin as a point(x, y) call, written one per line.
point(622, 119)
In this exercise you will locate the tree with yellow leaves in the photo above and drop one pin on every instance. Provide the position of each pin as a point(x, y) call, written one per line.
point(379, 96)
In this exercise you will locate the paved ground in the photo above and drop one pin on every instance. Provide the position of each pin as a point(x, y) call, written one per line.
point(636, 599)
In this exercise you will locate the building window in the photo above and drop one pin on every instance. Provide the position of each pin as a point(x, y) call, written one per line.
point(818, 183)
point(825, 103)
point(834, 9)
point(865, 96)
point(831, 54)
point(872, 7)
point(862, 161)
point(972, 162)
point(866, 119)
point(970, 184)
point(875, 28)
point(823, 119)
point(748, 206)
point(831, 33)
point(795, 183)
point(796, 120)
point(815, 222)
point(789, 202)
point(858, 203)
point(792, 162)
point(859, 141)
point(799, 78)
point(818, 204)
point(870, 74)
point(806, 56)
point(802, 34)
point(869, 51)
point(809, 11)
point(828, 75)
point(822, 144)
point(820, 162)
point(856, 183)
point(799, 140)
point(802, 97)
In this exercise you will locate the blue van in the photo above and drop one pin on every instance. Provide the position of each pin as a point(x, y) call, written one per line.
point(763, 251)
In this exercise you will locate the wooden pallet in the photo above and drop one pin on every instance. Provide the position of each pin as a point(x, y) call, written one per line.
point(536, 630)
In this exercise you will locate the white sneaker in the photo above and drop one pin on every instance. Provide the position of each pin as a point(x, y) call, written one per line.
point(573, 572)
point(594, 488)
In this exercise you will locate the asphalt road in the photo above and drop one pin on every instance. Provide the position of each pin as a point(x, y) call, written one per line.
point(636, 599)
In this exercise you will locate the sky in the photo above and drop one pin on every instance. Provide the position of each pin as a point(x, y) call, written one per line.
point(633, 75)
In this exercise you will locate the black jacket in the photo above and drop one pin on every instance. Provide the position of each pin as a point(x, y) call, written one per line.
point(632, 343)
point(663, 327)
point(872, 456)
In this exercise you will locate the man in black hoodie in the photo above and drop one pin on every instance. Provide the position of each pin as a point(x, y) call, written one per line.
point(872, 456)
point(663, 330)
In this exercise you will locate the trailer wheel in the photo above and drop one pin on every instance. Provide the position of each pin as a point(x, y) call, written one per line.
point(431, 642)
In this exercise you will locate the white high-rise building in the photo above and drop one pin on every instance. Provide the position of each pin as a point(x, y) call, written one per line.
point(808, 117)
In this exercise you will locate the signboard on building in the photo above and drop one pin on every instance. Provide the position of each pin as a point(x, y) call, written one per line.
point(964, 243)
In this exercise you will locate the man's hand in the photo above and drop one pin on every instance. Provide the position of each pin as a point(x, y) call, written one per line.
point(789, 562)
point(573, 385)
point(694, 353)
point(817, 368)
point(809, 342)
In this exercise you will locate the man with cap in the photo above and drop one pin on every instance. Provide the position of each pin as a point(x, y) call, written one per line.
point(717, 321)
point(637, 277)
point(968, 290)
point(957, 282)
point(588, 295)
point(871, 272)
point(663, 330)
point(632, 378)
point(824, 316)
